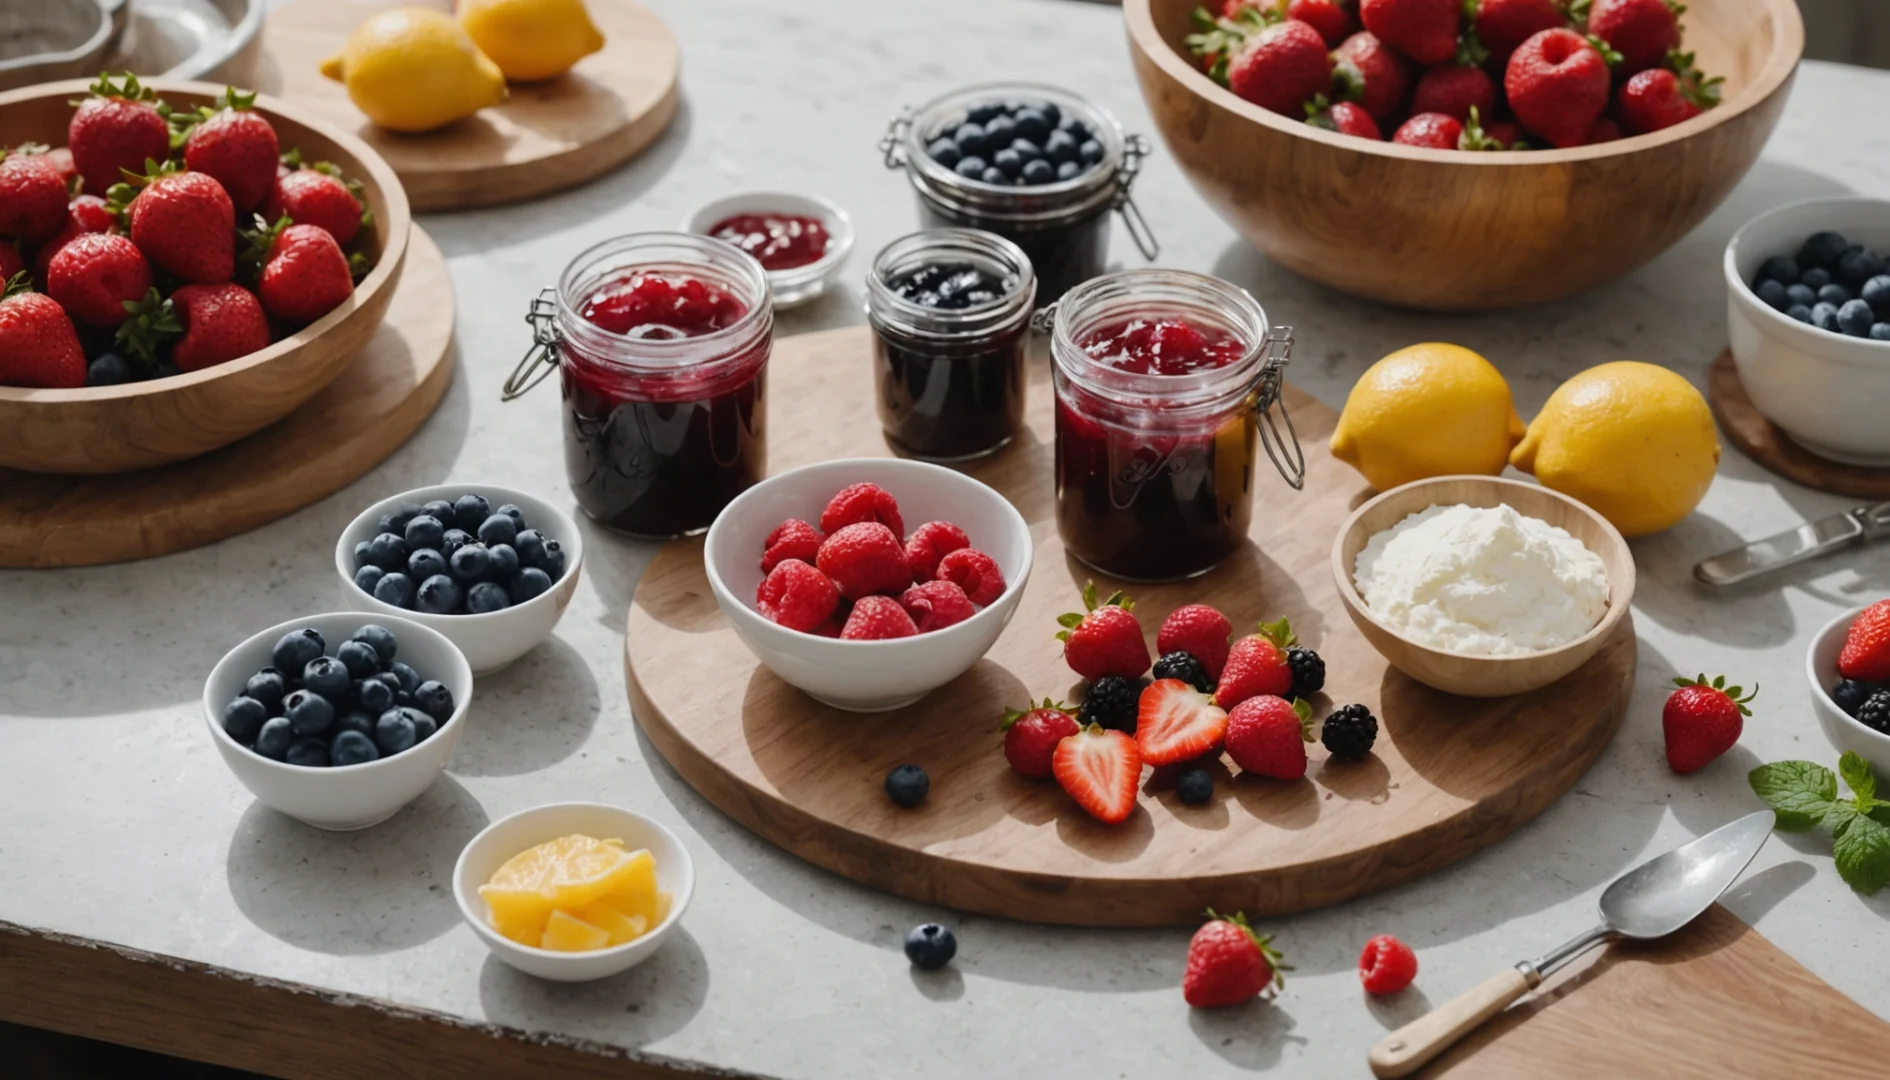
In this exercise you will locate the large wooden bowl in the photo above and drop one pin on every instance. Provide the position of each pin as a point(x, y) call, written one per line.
point(112, 429)
point(1454, 231)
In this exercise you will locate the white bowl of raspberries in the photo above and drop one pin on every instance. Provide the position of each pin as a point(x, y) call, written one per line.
point(869, 582)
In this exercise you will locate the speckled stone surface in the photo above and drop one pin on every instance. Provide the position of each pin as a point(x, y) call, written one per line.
point(123, 825)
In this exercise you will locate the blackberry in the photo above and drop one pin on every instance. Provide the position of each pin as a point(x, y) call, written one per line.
point(1309, 671)
point(1183, 666)
point(1351, 729)
point(1874, 713)
point(1111, 702)
point(1848, 694)
point(1195, 786)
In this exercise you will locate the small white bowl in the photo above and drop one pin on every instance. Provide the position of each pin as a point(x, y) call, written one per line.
point(1821, 673)
point(866, 676)
point(675, 874)
point(1827, 390)
point(796, 286)
point(496, 638)
point(344, 797)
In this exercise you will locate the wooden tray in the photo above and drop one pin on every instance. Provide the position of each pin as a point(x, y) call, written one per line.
point(546, 137)
point(1764, 442)
point(1449, 775)
point(350, 427)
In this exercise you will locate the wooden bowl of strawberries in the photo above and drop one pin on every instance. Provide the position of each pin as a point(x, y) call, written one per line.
point(1338, 136)
point(186, 264)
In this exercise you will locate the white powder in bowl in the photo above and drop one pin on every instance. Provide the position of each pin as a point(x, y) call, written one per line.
point(1482, 580)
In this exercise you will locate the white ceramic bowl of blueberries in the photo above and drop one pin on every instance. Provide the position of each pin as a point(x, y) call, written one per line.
point(490, 567)
point(339, 720)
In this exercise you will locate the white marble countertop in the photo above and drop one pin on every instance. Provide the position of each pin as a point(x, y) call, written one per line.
point(123, 825)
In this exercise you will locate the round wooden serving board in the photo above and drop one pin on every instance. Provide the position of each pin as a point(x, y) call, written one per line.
point(361, 417)
point(1448, 776)
point(546, 137)
point(1764, 442)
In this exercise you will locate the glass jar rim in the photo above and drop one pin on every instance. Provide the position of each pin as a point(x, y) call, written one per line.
point(1180, 291)
point(687, 253)
point(973, 245)
point(1090, 190)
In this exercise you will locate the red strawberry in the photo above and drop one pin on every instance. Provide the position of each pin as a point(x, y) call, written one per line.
point(1424, 30)
point(61, 159)
point(38, 346)
point(1435, 130)
point(797, 596)
point(792, 539)
point(1642, 31)
point(85, 214)
point(877, 618)
point(1601, 131)
point(1346, 118)
point(185, 224)
point(118, 128)
point(1557, 84)
point(1031, 737)
point(315, 197)
point(1268, 735)
point(305, 275)
point(237, 146)
point(1333, 22)
point(1386, 966)
point(1257, 665)
point(1174, 722)
point(1454, 90)
point(935, 605)
point(1229, 964)
point(220, 323)
point(973, 571)
point(1106, 641)
point(1502, 25)
point(862, 502)
point(1373, 75)
point(1200, 631)
point(1502, 135)
point(95, 276)
point(931, 542)
point(32, 197)
point(1655, 99)
point(1100, 770)
point(1866, 653)
point(1702, 720)
point(1281, 67)
point(863, 559)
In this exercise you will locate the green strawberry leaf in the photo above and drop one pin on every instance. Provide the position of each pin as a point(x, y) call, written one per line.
point(1279, 633)
point(1858, 777)
point(1800, 793)
point(1862, 854)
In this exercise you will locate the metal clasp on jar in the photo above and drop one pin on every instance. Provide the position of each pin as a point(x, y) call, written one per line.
point(1134, 149)
point(1284, 450)
point(542, 358)
point(889, 143)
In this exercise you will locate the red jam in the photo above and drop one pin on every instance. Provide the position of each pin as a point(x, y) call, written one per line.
point(1162, 347)
point(777, 241)
point(656, 307)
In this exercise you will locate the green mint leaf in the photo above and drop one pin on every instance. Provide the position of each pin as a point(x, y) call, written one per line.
point(1858, 777)
point(1800, 793)
point(1862, 853)
point(1839, 818)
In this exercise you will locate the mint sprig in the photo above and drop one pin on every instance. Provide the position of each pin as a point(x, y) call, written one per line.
point(1803, 794)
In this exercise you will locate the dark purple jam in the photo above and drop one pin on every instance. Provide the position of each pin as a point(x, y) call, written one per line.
point(949, 397)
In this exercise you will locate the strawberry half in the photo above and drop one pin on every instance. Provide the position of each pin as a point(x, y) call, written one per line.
point(1257, 665)
point(1228, 963)
point(1176, 723)
point(1100, 770)
point(1105, 641)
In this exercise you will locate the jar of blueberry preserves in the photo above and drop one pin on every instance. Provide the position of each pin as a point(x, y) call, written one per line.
point(950, 311)
point(662, 343)
point(1165, 381)
point(1036, 165)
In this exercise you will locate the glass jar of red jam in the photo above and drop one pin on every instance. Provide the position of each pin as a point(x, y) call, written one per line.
point(1062, 222)
point(1165, 381)
point(661, 341)
point(950, 311)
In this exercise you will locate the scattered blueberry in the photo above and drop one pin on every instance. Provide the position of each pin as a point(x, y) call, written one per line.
point(425, 563)
point(274, 738)
point(1801, 294)
point(1817, 277)
point(108, 369)
point(308, 713)
point(487, 597)
point(359, 658)
point(394, 731)
point(1824, 316)
point(469, 511)
point(425, 531)
point(1855, 318)
point(1799, 312)
point(1835, 294)
point(1859, 264)
point(309, 753)
point(269, 687)
point(930, 946)
point(455, 539)
point(1768, 291)
point(395, 589)
point(434, 699)
point(1782, 269)
point(1195, 786)
point(380, 638)
point(388, 551)
point(1876, 293)
point(531, 582)
point(907, 785)
point(372, 696)
point(367, 577)
point(243, 717)
point(438, 595)
point(352, 748)
point(1822, 250)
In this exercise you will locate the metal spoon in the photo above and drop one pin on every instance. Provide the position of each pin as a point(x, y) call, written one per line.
point(1652, 900)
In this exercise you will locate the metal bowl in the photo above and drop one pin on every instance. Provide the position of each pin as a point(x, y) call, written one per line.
point(210, 40)
point(45, 40)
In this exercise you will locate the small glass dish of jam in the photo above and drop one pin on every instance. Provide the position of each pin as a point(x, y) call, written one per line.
point(801, 241)
point(1165, 382)
point(661, 341)
point(950, 312)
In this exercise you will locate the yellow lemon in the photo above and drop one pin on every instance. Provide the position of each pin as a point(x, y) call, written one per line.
point(566, 933)
point(1634, 441)
point(575, 893)
point(411, 69)
point(1427, 410)
point(531, 39)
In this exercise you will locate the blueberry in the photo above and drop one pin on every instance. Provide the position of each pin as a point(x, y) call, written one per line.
point(1007, 162)
point(469, 511)
point(328, 677)
point(1858, 265)
point(1195, 787)
point(970, 138)
point(409, 678)
point(994, 175)
point(944, 151)
point(243, 717)
point(1824, 317)
point(455, 539)
point(498, 529)
point(109, 369)
point(308, 712)
point(353, 748)
point(402, 697)
point(1801, 294)
point(530, 546)
point(438, 595)
point(1876, 293)
point(1799, 312)
point(971, 166)
point(999, 132)
point(1822, 250)
point(425, 531)
point(531, 582)
point(1817, 278)
point(1772, 294)
point(394, 732)
point(386, 525)
point(361, 554)
point(930, 946)
point(505, 562)
point(405, 512)
point(907, 785)
point(268, 687)
point(388, 551)
point(1091, 152)
point(553, 563)
point(1077, 129)
point(309, 753)
point(380, 638)
point(471, 562)
point(434, 699)
point(1027, 150)
point(425, 563)
point(395, 589)
point(1855, 318)
point(440, 510)
point(296, 648)
point(1032, 124)
point(1880, 331)
point(165, 370)
point(1061, 147)
point(1051, 114)
point(513, 512)
point(1780, 268)
point(371, 696)
point(1835, 294)
point(273, 740)
point(1069, 170)
point(359, 658)
point(487, 597)
point(392, 681)
point(990, 110)
point(355, 721)
point(1039, 172)
point(423, 725)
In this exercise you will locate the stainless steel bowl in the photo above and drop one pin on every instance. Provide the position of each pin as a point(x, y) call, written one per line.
point(212, 40)
point(47, 40)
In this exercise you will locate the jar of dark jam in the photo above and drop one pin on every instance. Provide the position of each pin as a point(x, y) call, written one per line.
point(1062, 224)
point(950, 311)
point(661, 341)
point(1165, 381)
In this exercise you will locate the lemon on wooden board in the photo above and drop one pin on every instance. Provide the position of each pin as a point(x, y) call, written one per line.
point(1427, 410)
point(531, 39)
point(411, 69)
point(1633, 441)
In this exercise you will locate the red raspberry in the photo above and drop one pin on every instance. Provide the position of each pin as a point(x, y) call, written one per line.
point(864, 559)
point(1387, 965)
point(1198, 630)
point(862, 502)
point(792, 539)
point(936, 605)
point(931, 542)
point(877, 618)
point(975, 572)
point(797, 596)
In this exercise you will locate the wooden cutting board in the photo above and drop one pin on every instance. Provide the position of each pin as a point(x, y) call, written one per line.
point(1448, 776)
point(1764, 442)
